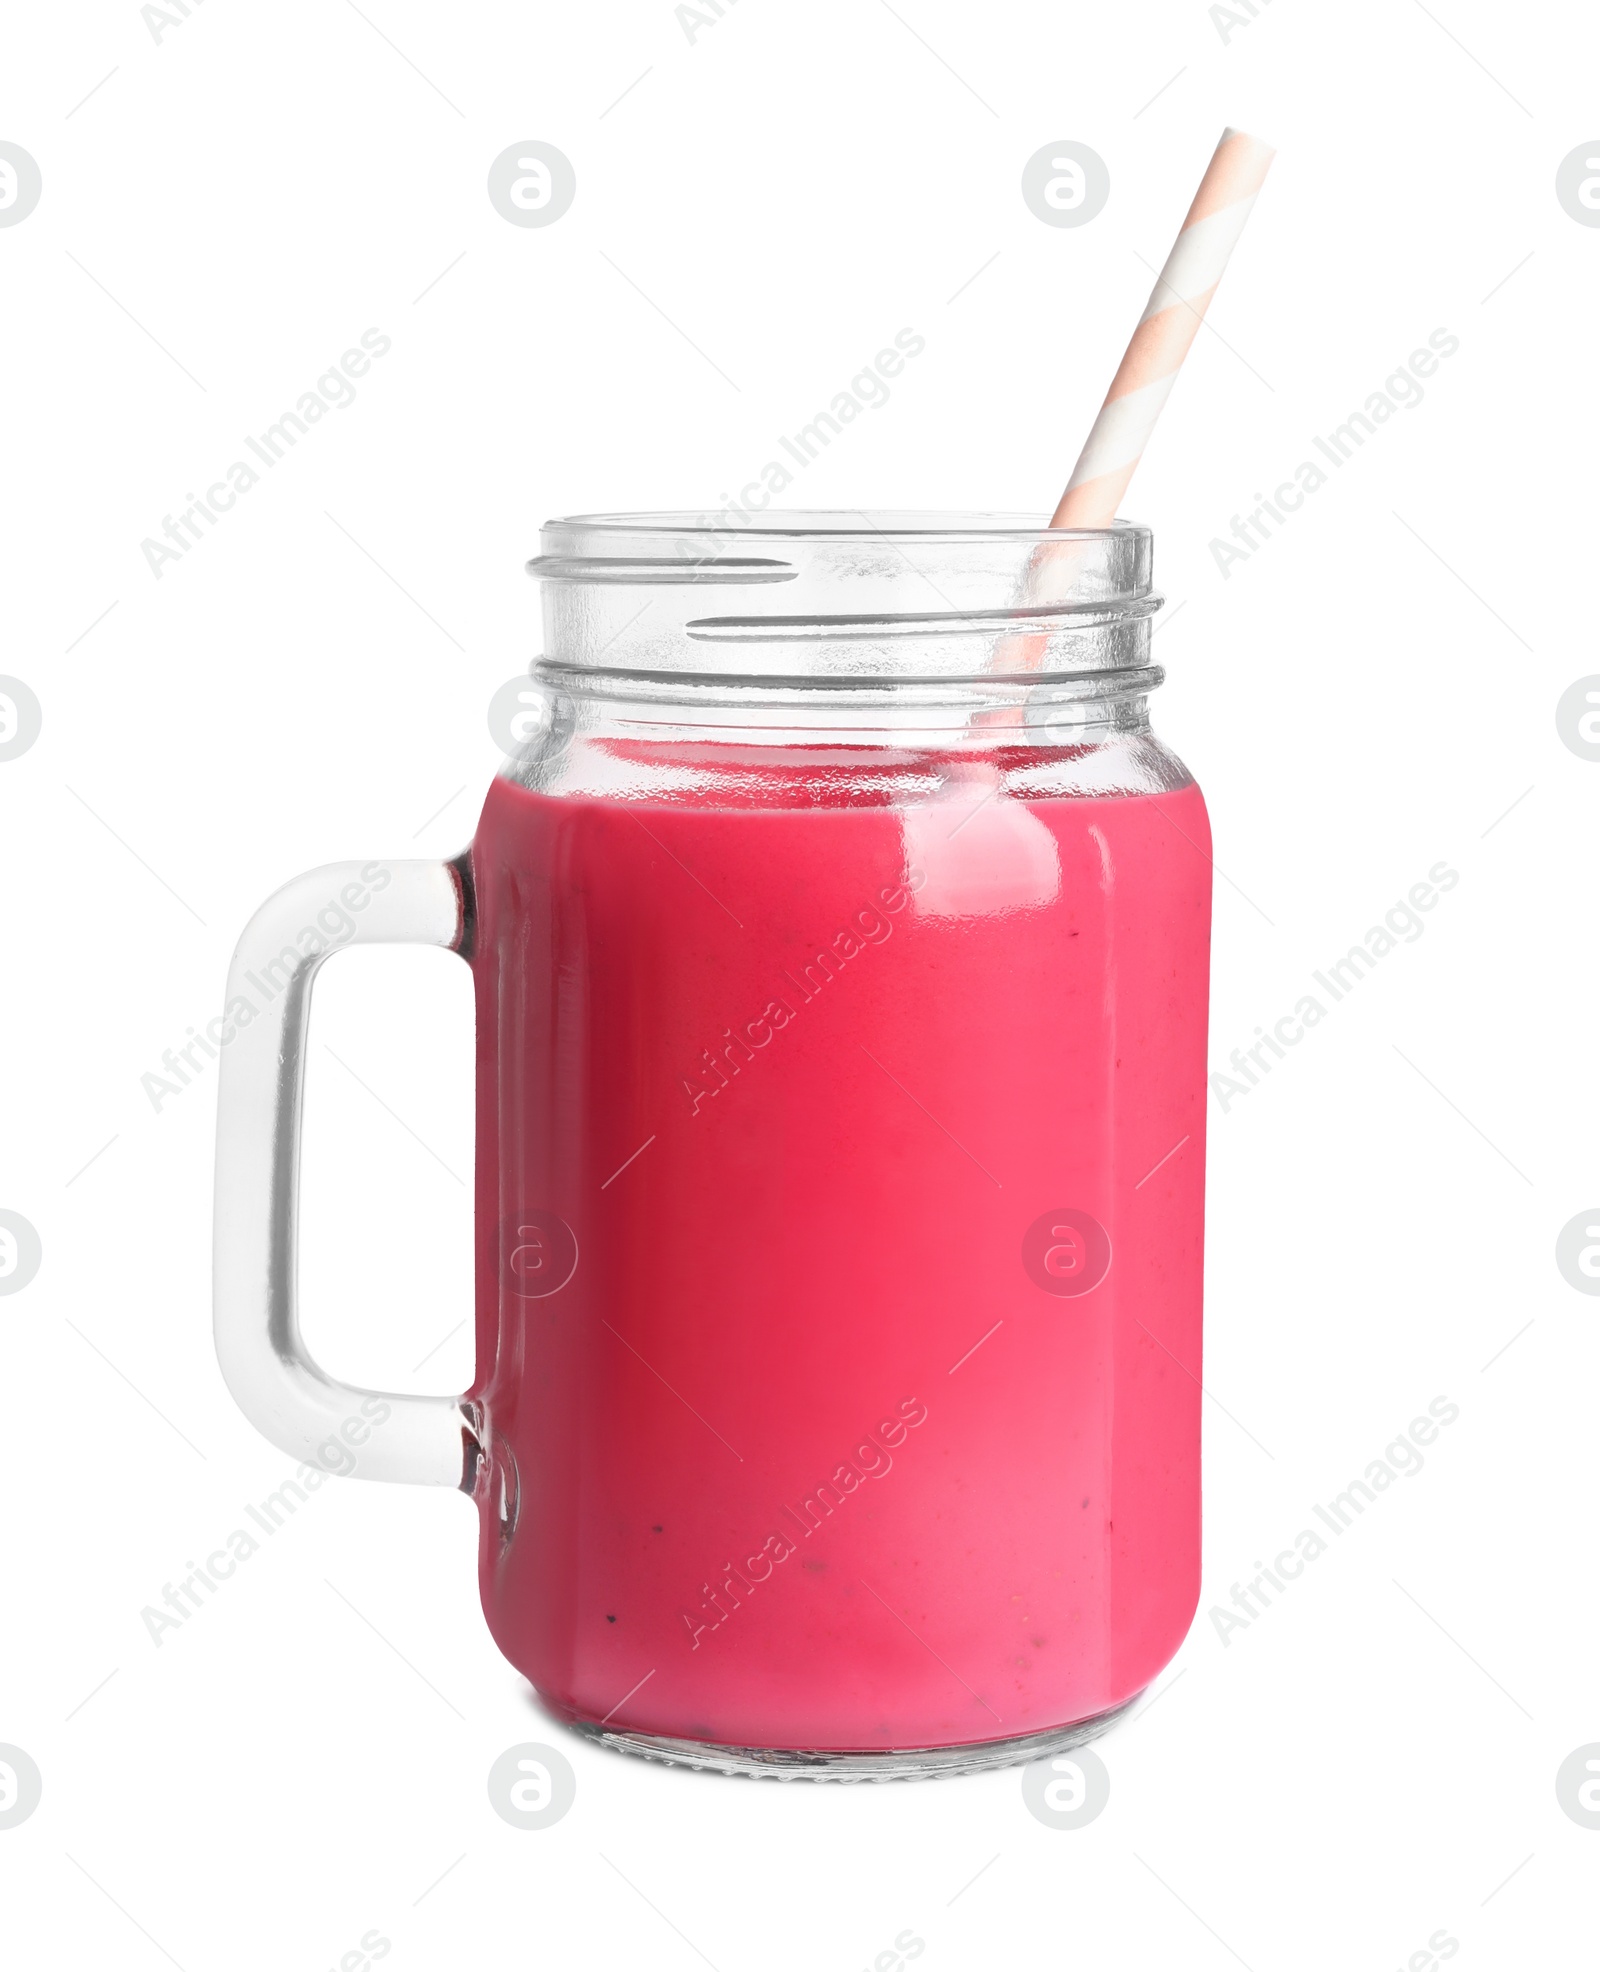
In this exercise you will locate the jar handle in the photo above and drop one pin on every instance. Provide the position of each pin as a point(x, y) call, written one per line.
point(428, 1441)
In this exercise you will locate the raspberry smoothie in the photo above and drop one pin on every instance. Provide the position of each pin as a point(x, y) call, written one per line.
point(839, 1212)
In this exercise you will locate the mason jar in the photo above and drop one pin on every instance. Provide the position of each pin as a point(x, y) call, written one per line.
point(840, 937)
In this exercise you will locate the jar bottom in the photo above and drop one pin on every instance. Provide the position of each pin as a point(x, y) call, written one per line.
point(909, 1763)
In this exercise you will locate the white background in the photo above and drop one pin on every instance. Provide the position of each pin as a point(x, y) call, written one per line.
point(302, 1763)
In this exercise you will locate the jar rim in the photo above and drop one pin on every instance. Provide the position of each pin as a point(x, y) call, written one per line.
point(821, 523)
point(850, 592)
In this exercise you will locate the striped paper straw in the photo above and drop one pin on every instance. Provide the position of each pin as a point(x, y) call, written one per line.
point(1173, 314)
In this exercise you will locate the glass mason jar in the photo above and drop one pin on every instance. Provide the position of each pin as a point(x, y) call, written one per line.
point(840, 935)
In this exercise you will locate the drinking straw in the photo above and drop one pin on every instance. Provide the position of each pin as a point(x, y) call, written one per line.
point(1016, 869)
point(1144, 378)
point(1171, 318)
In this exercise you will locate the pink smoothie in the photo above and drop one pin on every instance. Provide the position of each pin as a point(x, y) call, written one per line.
point(840, 1259)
